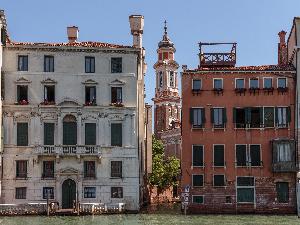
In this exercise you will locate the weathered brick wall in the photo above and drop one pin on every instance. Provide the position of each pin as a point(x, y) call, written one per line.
point(157, 196)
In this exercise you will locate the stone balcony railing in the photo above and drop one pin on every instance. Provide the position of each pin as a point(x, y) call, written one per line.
point(68, 150)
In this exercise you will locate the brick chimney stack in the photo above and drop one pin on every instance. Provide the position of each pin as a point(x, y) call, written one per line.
point(137, 28)
point(282, 49)
point(72, 34)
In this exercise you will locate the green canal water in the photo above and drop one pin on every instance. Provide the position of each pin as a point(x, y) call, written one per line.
point(149, 219)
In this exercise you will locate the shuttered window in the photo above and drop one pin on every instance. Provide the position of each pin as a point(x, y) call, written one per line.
point(219, 155)
point(282, 116)
point(69, 133)
point(48, 133)
point(116, 94)
point(219, 180)
point(239, 117)
point(282, 189)
point(20, 193)
point(197, 117)
point(255, 155)
point(218, 117)
point(198, 155)
point(116, 134)
point(90, 134)
point(197, 180)
point(269, 117)
point(241, 155)
point(48, 169)
point(22, 134)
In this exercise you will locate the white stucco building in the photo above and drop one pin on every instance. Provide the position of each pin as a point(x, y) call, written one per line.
point(74, 120)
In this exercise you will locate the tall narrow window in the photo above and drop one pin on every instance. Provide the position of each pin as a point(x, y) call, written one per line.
point(48, 192)
point(20, 193)
point(48, 63)
point(172, 79)
point(219, 155)
point(116, 94)
point(241, 155)
point(245, 187)
point(218, 117)
point(116, 65)
point(22, 134)
point(90, 95)
point(49, 133)
point(239, 117)
point(255, 155)
point(282, 189)
point(219, 180)
point(255, 116)
point(116, 169)
point(22, 63)
point(22, 94)
point(89, 64)
point(89, 169)
point(21, 169)
point(197, 85)
point(198, 155)
point(48, 169)
point(90, 133)
point(49, 94)
point(69, 131)
point(116, 134)
point(160, 78)
point(197, 117)
point(269, 117)
point(283, 116)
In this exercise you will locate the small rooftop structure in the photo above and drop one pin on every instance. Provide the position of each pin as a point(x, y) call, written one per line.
point(217, 59)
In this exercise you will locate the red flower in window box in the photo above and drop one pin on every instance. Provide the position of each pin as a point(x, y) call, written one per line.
point(23, 102)
point(91, 103)
point(46, 102)
point(117, 104)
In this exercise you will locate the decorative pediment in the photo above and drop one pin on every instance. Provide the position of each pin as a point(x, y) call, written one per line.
point(49, 81)
point(90, 82)
point(68, 102)
point(68, 171)
point(116, 82)
point(22, 80)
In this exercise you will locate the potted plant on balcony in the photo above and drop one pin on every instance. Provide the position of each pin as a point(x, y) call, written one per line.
point(46, 102)
point(90, 103)
point(117, 104)
point(22, 102)
point(240, 90)
point(282, 89)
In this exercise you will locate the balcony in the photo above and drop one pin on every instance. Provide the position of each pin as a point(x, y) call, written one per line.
point(68, 150)
point(215, 59)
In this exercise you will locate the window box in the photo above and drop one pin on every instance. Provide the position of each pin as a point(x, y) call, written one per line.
point(48, 102)
point(218, 90)
point(196, 91)
point(117, 104)
point(240, 90)
point(268, 89)
point(93, 103)
point(282, 89)
point(253, 90)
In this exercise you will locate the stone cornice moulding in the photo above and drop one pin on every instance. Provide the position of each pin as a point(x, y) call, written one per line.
point(90, 82)
point(22, 80)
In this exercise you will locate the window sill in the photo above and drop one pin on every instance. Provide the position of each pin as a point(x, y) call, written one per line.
point(90, 178)
point(47, 178)
point(245, 203)
point(21, 178)
point(220, 186)
point(198, 128)
point(198, 186)
point(116, 178)
point(201, 167)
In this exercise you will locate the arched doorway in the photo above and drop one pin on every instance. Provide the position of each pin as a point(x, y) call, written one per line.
point(68, 193)
point(69, 130)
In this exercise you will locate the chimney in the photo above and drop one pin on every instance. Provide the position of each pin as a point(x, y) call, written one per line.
point(282, 49)
point(137, 28)
point(72, 34)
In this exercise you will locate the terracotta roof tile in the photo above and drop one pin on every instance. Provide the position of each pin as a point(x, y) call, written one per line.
point(247, 68)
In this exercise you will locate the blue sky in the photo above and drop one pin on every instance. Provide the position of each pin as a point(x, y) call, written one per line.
point(254, 25)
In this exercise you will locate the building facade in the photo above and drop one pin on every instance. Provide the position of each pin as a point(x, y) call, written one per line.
point(238, 133)
point(74, 121)
point(167, 102)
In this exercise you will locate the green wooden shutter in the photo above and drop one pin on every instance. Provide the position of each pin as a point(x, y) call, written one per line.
point(22, 134)
point(116, 134)
point(255, 155)
point(288, 114)
point(234, 115)
point(261, 116)
point(212, 115)
point(224, 116)
point(282, 189)
point(48, 133)
point(248, 115)
point(197, 155)
point(241, 157)
point(276, 116)
point(69, 133)
point(219, 155)
point(191, 116)
point(90, 133)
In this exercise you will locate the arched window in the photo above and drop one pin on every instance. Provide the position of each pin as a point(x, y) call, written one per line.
point(171, 79)
point(160, 79)
point(69, 130)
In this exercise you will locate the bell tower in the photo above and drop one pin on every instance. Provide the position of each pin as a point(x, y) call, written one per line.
point(167, 106)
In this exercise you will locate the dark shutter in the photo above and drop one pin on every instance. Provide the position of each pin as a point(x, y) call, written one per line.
point(191, 115)
point(276, 116)
point(224, 116)
point(219, 155)
point(241, 155)
point(197, 155)
point(248, 115)
point(69, 133)
point(288, 114)
point(48, 133)
point(212, 115)
point(234, 115)
point(203, 116)
point(22, 134)
point(282, 189)
point(261, 116)
point(90, 134)
point(255, 155)
point(219, 180)
point(116, 134)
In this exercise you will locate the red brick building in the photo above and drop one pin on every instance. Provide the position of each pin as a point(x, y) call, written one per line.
point(238, 146)
point(167, 103)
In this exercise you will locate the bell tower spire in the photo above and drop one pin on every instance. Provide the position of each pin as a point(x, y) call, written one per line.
point(166, 100)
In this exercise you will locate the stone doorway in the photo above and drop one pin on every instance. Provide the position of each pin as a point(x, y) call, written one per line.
point(68, 193)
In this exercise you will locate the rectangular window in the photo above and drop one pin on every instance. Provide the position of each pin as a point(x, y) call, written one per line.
point(48, 63)
point(219, 155)
point(255, 117)
point(22, 94)
point(218, 117)
point(90, 133)
point(48, 192)
point(49, 133)
point(282, 189)
point(255, 155)
point(89, 192)
point(241, 155)
point(198, 155)
point(218, 83)
point(198, 199)
point(49, 94)
point(239, 117)
point(21, 193)
point(116, 65)
point(197, 180)
point(116, 169)
point(219, 180)
point(116, 134)
point(89, 64)
point(90, 95)
point(284, 152)
point(22, 63)
point(240, 83)
point(89, 169)
point(197, 117)
point(116, 192)
point(268, 82)
point(283, 116)
point(253, 83)
point(116, 94)
point(269, 117)
point(21, 169)
point(245, 188)
point(48, 169)
point(281, 82)
point(197, 85)
point(22, 134)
